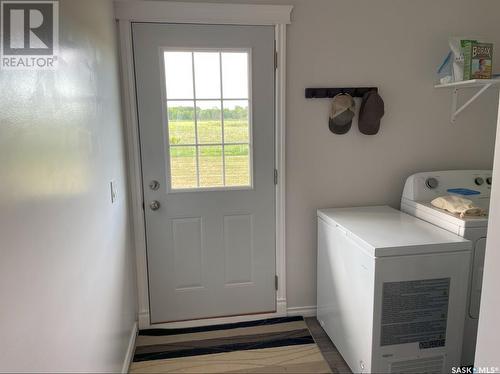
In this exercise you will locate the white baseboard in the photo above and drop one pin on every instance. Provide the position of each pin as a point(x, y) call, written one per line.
point(130, 349)
point(144, 320)
point(304, 311)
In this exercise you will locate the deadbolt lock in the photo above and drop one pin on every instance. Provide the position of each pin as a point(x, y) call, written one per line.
point(154, 185)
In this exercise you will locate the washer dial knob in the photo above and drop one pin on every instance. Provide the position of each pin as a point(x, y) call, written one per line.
point(479, 181)
point(431, 183)
point(488, 180)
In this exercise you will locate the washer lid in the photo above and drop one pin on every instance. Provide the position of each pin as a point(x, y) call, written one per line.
point(384, 231)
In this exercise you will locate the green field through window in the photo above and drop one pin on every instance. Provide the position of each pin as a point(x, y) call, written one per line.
point(235, 158)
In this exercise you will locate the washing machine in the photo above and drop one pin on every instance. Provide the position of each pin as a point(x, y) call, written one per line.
point(391, 291)
point(420, 189)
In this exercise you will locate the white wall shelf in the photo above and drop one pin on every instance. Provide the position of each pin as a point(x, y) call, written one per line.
point(482, 84)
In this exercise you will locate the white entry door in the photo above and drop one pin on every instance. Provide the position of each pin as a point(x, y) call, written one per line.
point(205, 97)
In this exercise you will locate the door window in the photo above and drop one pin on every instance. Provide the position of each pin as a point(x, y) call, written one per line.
point(209, 118)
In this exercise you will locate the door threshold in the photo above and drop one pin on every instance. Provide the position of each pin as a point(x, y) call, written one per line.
point(280, 312)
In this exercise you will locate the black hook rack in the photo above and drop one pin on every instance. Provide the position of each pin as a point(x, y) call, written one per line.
point(321, 93)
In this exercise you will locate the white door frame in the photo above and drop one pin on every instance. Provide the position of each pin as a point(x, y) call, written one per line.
point(201, 13)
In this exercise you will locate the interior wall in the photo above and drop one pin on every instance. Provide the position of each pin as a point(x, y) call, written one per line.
point(67, 289)
point(488, 339)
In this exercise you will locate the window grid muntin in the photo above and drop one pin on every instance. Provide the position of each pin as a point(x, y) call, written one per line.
point(195, 127)
point(222, 120)
point(211, 144)
point(249, 143)
point(198, 99)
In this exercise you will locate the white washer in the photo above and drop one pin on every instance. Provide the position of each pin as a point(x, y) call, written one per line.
point(391, 291)
point(420, 189)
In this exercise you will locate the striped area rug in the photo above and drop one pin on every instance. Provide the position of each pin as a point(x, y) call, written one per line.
point(274, 345)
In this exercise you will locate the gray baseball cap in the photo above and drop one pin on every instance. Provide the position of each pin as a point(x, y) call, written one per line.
point(342, 113)
point(370, 113)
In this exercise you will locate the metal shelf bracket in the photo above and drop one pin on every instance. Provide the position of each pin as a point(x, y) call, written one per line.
point(455, 110)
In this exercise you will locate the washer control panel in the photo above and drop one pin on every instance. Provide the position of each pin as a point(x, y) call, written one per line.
point(427, 186)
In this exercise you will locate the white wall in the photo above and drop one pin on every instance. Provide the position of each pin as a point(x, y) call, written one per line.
point(488, 340)
point(67, 282)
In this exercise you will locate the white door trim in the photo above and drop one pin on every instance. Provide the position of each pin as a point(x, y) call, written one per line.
point(153, 11)
point(206, 13)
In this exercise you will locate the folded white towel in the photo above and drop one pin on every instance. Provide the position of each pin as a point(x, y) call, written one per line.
point(458, 205)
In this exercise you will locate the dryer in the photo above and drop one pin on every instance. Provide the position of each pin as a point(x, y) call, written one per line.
point(420, 189)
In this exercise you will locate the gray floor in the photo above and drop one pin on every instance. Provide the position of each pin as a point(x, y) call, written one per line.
point(330, 353)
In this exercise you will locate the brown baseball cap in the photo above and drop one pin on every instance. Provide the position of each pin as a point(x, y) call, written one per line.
point(341, 114)
point(370, 113)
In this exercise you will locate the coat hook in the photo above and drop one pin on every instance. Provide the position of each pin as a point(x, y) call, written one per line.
point(323, 92)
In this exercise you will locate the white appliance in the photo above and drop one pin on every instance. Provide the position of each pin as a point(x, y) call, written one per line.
point(420, 189)
point(391, 290)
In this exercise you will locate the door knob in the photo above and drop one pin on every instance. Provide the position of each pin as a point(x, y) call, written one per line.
point(154, 205)
point(154, 185)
